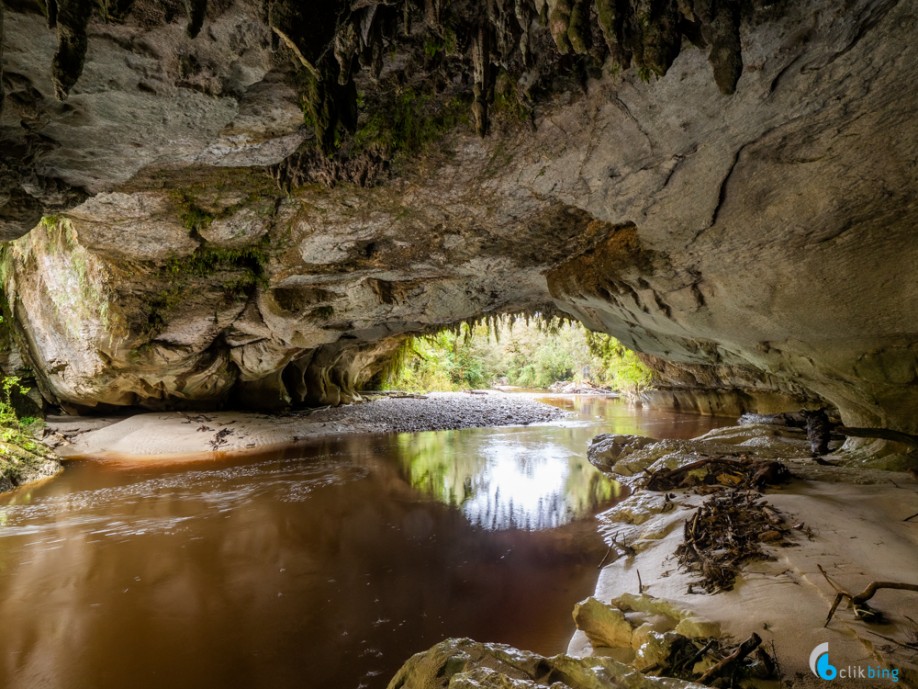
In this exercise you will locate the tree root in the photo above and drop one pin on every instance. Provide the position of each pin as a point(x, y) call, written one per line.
point(882, 433)
point(859, 601)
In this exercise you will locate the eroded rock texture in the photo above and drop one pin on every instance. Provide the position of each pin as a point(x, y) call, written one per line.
point(204, 243)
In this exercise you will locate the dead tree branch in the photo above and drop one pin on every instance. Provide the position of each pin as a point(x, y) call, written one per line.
point(741, 651)
point(859, 601)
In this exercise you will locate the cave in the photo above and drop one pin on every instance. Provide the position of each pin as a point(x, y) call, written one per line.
point(251, 204)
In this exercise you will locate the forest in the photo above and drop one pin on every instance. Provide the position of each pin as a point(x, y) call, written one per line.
point(516, 351)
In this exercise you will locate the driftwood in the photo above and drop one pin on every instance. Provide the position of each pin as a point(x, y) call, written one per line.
point(728, 662)
point(727, 530)
point(723, 471)
point(219, 439)
point(622, 550)
point(881, 433)
point(740, 652)
point(859, 601)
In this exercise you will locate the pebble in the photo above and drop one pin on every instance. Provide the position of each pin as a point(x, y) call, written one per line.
point(442, 411)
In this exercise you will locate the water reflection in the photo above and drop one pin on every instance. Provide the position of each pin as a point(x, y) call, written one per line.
point(321, 570)
point(323, 567)
point(506, 478)
point(618, 415)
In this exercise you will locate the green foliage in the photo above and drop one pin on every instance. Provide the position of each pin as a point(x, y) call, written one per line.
point(195, 219)
point(9, 384)
point(443, 361)
point(617, 366)
point(509, 104)
point(433, 45)
point(22, 457)
point(646, 74)
point(14, 430)
point(409, 121)
point(245, 267)
point(207, 260)
point(519, 351)
point(50, 222)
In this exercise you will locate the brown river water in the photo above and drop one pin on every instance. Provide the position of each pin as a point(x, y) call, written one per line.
point(321, 567)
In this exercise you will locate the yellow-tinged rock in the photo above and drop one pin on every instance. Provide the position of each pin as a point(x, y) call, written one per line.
point(603, 624)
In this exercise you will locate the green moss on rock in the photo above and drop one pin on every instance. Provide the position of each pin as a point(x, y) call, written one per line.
point(23, 459)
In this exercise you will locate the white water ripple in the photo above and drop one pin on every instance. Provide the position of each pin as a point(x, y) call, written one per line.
point(119, 511)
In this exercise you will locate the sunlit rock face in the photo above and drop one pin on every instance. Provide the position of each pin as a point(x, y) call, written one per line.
point(770, 231)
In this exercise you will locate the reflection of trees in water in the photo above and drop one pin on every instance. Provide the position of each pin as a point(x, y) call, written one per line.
point(621, 416)
point(507, 486)
point(322, 564)
point(433, 466)
point(497, 514)
point(586, 488)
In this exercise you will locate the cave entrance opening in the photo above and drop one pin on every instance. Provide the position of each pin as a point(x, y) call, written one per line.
point(516, 352)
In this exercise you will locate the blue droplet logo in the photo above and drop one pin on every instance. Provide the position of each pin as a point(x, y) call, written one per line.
point(819, 662)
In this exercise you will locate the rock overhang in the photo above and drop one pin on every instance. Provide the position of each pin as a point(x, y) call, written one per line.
point(771, 230)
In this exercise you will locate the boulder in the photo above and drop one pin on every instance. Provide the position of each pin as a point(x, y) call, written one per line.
point(467, 664)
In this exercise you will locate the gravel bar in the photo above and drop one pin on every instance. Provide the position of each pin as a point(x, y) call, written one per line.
point(439, 411)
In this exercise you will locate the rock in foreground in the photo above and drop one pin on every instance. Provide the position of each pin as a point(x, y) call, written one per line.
point(467, 664)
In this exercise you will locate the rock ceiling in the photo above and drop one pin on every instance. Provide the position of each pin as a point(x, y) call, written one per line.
point(242, 217)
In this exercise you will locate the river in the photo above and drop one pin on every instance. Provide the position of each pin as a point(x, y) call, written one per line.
point(321, 567)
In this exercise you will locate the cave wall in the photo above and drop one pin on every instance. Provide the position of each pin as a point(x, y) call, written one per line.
point(182, 259)
point(219, 291)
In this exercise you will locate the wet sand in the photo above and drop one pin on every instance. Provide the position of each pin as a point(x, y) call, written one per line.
point(858, 536)
point(199, 435)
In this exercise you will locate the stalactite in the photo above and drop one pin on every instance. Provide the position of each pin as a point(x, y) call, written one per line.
point(305, 29)
point(502, 20)
point(196, 10)
point(525, 15)
point(658, 38)
point(345, 49)
point(611, 15)
point(578, 31)
point(114, 10)
point(406, 18)
point(67, 65)
point(51, 7)
point(559, 20)
point(720, 24)
point(432, 12)
point(331, 41)
point(483, 89)
point(329, 95)
point(1, 56)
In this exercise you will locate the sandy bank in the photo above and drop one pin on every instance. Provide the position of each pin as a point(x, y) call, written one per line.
point(855, 529)
point(200, 435)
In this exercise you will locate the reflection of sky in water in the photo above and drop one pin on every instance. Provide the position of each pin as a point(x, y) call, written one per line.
point(520, 487)
point(529, 479)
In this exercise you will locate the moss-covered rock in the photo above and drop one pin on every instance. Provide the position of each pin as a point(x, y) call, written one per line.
point(23, 459)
